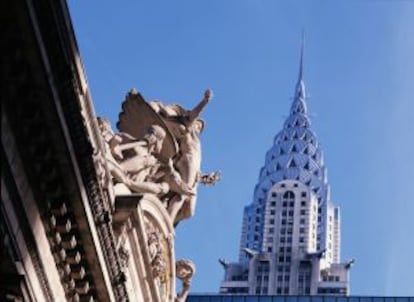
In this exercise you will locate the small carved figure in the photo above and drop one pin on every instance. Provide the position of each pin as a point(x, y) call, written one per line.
point(210, 178)
point(185, 270)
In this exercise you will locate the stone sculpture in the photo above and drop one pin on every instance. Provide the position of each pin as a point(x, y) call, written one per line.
point(186, 126)
point(154, 163)
point(135, 168)
point(158, 151)
point(185, 270)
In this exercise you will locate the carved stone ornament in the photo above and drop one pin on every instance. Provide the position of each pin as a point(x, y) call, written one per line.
point(157, 251)
point(185, 270)
point(158, 151)
point(154, 163)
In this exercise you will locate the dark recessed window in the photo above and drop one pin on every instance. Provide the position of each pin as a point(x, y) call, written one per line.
point(292, 164)
point(271, 230)
point(286, 277)
point(289, 195)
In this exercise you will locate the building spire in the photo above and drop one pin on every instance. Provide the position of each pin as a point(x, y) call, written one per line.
point(299, 105)
point(301, 57)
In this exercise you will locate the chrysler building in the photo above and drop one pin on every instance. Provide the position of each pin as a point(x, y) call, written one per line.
point(290, 239)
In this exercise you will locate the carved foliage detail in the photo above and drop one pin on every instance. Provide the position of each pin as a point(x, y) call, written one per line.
point(159, 256)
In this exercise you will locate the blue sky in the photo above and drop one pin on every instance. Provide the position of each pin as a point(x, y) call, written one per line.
point(359, 74)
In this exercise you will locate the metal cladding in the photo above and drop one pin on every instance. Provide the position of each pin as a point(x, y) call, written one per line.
point(296, 153)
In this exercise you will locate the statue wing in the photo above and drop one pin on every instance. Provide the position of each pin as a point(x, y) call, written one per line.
point(137, 115)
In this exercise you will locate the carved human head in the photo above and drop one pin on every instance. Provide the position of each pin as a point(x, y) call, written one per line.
point(198, 125)
point(155, 137)
point(185, 269)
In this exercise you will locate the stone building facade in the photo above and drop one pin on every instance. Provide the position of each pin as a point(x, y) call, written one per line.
point(76, 223)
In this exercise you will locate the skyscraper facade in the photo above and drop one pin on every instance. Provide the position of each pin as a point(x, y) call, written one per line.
point(290, 240)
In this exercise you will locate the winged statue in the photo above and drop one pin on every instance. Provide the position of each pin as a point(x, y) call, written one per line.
point(157, 150)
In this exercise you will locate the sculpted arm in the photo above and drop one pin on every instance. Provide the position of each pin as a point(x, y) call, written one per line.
point(132, 145)
point(195, 113)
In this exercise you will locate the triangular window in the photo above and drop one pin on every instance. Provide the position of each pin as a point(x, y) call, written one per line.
point(278, 167)
point(294, 149)
point(306, 166)
point(292, 164)
point(306, 151)
point(295, 136)
point(281, 152)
